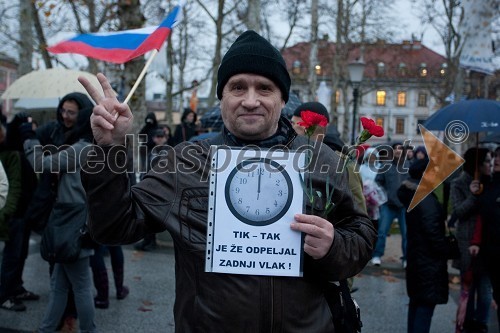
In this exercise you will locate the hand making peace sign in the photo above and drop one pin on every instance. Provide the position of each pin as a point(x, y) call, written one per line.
point(111, 120)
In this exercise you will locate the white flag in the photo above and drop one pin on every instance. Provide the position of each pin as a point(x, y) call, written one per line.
point(476, 31)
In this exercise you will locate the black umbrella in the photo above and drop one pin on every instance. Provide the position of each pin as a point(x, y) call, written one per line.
point(212, 119)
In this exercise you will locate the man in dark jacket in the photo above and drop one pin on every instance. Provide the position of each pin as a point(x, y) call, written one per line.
point(253, 86)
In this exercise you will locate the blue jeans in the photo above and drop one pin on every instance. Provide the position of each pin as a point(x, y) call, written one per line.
point(77, 276)
point(13, 258)
point(116, 254)
point(480, 296)
point(420, 317)
point(387, 215)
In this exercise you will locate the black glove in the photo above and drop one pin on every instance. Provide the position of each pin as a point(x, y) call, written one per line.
point(26, 131)
point(19, 119)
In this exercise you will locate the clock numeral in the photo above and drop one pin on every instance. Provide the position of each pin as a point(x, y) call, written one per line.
point(240, 200)
point(250, 174)
point(268, 211)
point(277, 182)
point(280, 193)
point(257, 212)
point(243, 181)
point(275, 203)
point(261, 171)
point(237, 190)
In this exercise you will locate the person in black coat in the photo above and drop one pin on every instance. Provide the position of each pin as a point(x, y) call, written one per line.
point(187, 128)
point(489, 208)
point(426, 271)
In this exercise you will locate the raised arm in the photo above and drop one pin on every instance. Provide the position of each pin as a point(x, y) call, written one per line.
point(110, 120)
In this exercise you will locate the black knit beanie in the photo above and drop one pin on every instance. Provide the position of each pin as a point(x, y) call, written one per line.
point(315, 107)
point(251, 53)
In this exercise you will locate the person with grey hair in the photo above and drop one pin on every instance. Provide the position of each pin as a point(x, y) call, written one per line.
point(253, 86)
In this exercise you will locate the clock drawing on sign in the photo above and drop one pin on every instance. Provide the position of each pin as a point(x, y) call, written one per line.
point(258, 191)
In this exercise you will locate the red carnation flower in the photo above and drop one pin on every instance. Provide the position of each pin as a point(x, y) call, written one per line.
point(370, 125)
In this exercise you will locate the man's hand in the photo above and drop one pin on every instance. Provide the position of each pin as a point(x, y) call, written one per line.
point(319, 234)
point(111, 120)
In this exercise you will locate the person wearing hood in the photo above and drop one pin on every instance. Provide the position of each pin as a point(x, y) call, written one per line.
point(72, 130)
point(426, 270)
point(150, 125)
point(187, 128)
point(420, 153)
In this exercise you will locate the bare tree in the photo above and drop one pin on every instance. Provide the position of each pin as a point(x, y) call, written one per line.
point(218, 21)
point(250, 14)
point(42, 41)
point(445, 16)
point(355, 22)
point(26, 40)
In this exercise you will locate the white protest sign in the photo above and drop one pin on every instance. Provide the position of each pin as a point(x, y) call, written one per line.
point(254, 195)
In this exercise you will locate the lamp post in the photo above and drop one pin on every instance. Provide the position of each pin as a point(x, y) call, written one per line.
point(356, 70)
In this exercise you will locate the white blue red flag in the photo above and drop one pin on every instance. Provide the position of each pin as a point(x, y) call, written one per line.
point(120, 46)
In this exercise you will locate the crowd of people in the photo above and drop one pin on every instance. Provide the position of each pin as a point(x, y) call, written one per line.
point(253, 87)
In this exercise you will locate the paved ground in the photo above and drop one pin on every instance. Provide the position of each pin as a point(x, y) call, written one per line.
point(381, 295)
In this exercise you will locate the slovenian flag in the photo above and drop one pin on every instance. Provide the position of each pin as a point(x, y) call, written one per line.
point(121, 46)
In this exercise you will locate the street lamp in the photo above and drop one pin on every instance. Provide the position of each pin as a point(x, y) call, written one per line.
point(356, 70)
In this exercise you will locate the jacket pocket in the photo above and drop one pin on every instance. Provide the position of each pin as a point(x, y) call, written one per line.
point(193, 210)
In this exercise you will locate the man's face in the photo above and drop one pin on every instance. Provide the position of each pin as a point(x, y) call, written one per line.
point(69, 113)
point(251, 106)
point(295, 123)
point(398, 150)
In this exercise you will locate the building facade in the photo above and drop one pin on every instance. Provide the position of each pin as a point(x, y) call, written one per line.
point(399, 88)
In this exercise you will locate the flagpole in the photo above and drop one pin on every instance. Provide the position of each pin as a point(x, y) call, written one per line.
point(141, 76)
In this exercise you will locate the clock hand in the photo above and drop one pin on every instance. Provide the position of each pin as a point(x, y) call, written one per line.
point(258, 187)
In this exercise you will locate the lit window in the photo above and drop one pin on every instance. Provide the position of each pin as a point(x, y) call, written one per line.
point(422, 99)
point(380, 68)
point(296, 67)
point(337, 97)
point(423, 69)
point(401, 98)
point(379, 121)
point(444, 69)
point(400, 126)
point(381, 94)
point(317, 68)
point(402, 69)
